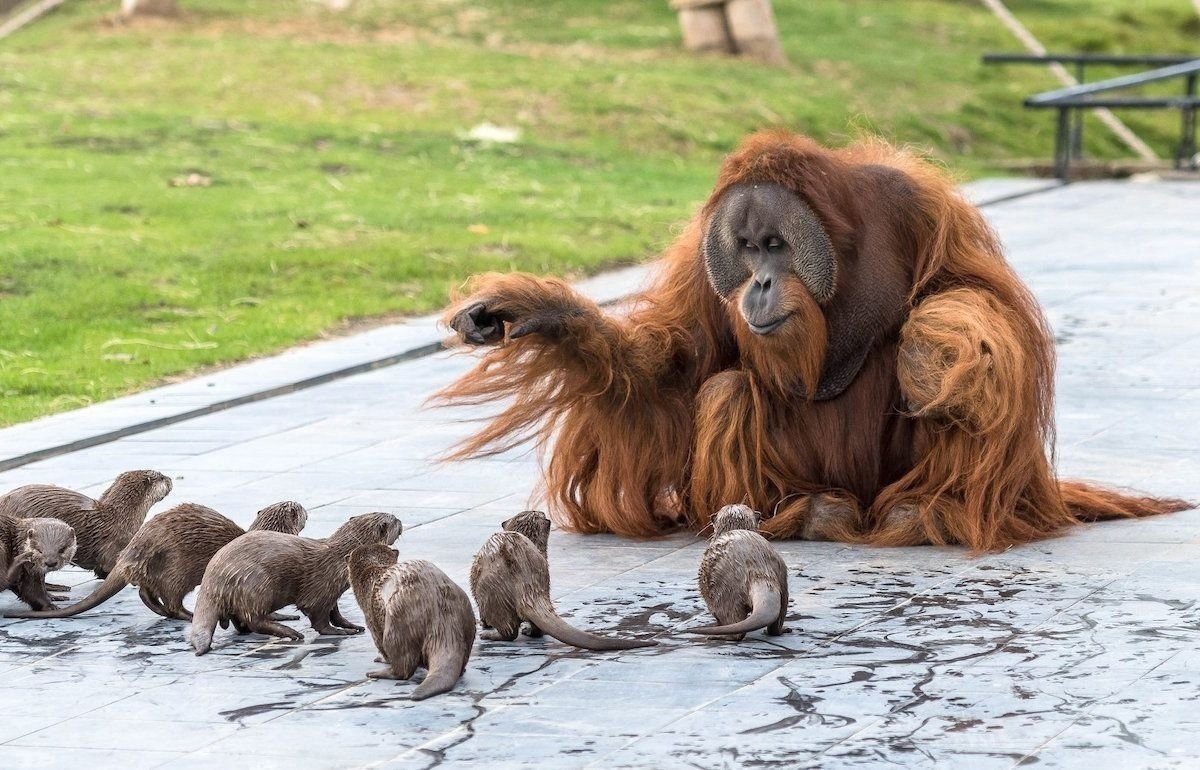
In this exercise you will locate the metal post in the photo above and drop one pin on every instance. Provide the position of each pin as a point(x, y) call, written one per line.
point(1062, 145)
point(1077, 128)
point(1187, 136)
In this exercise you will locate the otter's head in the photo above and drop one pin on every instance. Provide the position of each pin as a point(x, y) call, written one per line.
point(145, 486)
point(534, 525)
point(372, 556)
point(50, 544)
point(733, 517)
point(377, 527)
point(287, 517)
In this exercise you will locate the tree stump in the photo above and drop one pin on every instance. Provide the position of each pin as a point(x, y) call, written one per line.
point(752, 26)
point(704, 26)
point(130, 8)
point(742, 27)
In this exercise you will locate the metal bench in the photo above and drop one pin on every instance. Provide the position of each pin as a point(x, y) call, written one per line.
point(1068, 137)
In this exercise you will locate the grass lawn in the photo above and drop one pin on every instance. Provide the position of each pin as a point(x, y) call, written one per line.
point(176, 194)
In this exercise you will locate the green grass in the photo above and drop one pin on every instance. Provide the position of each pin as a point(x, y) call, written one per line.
point(340, 188)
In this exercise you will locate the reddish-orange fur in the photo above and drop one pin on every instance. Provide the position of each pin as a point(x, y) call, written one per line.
point(675, 410)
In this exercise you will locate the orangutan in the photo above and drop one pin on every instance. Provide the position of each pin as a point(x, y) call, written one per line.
point(835, 340)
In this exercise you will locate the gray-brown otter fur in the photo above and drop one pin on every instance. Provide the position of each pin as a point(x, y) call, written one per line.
point(510, 579)
point(417, 616)
point(743, 579)
point(167, 557)
point(261, 572)
point(29, 548)
point(102, 527)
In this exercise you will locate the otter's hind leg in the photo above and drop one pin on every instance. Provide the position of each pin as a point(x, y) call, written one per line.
point(336, 617)
point(175, 609)
point(400, 670)
point(502, 630)
point(322, 622)
point(152, 601)
point(271, 628)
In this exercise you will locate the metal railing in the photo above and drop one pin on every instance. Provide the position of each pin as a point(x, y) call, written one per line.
point(1073, 100)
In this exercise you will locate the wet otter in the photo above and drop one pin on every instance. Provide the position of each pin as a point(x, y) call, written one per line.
point(742, 578)
point(29, 548)
point(417, 616)
point(102, 527)
point(510, 579)
point(167, 556)
point(261, 572)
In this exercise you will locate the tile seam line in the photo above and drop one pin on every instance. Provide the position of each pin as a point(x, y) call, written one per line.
point(412, 354)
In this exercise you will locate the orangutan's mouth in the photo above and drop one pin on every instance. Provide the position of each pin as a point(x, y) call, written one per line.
point(768, 327)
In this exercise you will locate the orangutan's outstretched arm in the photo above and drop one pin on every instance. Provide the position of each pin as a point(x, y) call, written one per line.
point(548, 331)
point(613, 393)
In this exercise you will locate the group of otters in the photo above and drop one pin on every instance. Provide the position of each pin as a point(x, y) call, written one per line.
point(417, 616)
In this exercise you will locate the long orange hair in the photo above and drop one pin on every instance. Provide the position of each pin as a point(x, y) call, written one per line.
point(664, 415)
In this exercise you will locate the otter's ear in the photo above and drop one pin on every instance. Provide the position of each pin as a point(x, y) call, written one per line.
point(395, 552)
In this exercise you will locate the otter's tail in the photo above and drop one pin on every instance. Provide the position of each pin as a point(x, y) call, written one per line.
point(542, 614)
point(111, 586)
point(1087, 502)
point(764, 610)
point(204, 621)
point(443, 674)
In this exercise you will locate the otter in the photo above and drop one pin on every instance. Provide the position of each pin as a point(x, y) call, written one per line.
point(29, 548)
point(167, 556)
point(510, 579)
point(261, 572)
point(742, 578)
point(417, 616)
point(102, 527)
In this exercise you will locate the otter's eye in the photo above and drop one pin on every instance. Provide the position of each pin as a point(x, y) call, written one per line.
point(774, 244)
point(743, 243)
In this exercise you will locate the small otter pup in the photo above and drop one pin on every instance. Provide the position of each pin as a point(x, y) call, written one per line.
point(510, 579)
point(102, 527)
point(417, 616)
point(261, 572)
point(167, 556)
point(743, 580)
point(29, 548)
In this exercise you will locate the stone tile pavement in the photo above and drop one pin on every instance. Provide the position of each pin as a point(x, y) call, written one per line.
point(1082, 651)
